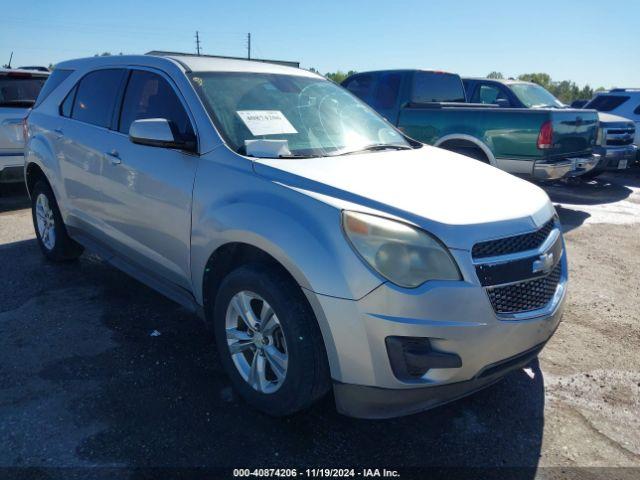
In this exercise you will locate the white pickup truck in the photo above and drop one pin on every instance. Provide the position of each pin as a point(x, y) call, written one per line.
point(19, 90)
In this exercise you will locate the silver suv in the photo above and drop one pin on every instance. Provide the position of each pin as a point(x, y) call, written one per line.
point(18, 92)
point(325, 248)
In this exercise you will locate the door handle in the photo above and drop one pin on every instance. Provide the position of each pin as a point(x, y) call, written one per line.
point(114, 156)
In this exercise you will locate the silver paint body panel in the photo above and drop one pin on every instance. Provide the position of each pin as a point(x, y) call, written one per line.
point(165, 212)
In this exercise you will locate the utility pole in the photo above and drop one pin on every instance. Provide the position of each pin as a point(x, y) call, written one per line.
point(248, 46)
point(197, 42)
point(10, 58)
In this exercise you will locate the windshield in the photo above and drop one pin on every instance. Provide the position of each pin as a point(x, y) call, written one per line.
point(300, 116)
point(17, 90)
point(535, 96)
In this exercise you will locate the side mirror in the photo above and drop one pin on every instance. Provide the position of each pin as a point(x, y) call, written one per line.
point(157, 132)
point(501, 102)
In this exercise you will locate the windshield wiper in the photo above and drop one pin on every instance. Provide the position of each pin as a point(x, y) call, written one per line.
point(298, 156)
point(375, 148)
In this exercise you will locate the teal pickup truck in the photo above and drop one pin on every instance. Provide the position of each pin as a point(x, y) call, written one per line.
point(431, 107)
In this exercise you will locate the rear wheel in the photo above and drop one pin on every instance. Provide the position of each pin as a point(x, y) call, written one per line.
point(269, 341)
point(51, 232)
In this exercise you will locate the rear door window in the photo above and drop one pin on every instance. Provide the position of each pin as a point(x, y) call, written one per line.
point(437, 87)
point(606, 103)
point(20, 90)
point(96, 97)
point(148, 95)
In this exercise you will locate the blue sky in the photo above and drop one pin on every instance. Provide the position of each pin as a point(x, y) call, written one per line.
point(586, 41)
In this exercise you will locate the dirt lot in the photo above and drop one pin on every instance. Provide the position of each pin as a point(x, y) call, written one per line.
point(83, 383)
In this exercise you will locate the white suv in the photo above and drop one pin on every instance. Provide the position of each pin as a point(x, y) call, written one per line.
point(624, 102)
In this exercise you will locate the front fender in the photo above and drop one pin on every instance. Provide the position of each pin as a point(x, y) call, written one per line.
point(302, 233)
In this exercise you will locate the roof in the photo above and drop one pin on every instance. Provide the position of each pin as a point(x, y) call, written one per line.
point(405, 70)
point(505, 81)
point(33, 73)
point(188, 63)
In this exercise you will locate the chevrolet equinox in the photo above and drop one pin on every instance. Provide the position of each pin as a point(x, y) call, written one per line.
point(325, 248)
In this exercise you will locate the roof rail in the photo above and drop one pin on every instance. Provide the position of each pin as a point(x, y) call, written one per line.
point(615, 90)
point(162, 53)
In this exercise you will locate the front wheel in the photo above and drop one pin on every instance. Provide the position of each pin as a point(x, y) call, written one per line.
point(51, 232)
point(591, 175)
point(269, 341)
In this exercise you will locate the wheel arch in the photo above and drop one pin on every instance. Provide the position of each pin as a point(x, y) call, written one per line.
point(231, 255)
point(471, 142)
point(41, 162)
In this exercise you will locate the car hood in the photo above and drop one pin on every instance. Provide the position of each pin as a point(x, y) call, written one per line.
point(457, 198)
point(607, 119)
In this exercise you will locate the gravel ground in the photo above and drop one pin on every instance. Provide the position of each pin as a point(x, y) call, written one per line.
point(84, 384)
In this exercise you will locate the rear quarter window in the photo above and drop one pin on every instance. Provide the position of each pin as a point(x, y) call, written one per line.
point(437, 87)
point(361, 86)
point(55, 79)
point(606, 103)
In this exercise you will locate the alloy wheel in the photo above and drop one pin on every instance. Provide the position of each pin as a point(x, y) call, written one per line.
point(256, 342)
point(46, 222)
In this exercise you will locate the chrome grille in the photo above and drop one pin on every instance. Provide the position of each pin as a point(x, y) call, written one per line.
point(515, 244)
point(619, 136)
point(525, 296)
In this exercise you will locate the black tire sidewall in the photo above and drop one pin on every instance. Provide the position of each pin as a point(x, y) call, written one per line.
point(297, 391)
point(63, 248)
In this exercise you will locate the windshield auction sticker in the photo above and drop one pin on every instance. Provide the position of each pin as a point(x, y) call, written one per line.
point(266, 122)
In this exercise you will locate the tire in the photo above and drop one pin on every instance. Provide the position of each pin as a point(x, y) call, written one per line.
point(591, 175)
point(466, 149)
point(296, 337)
point(47, 222)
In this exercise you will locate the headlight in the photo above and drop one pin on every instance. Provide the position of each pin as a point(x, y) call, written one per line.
point(599, 136)
point(404, 255)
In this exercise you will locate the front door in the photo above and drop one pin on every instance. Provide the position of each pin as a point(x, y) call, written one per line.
point(148, 190)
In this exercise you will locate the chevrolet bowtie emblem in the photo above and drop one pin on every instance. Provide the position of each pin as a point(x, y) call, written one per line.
point(544, 263)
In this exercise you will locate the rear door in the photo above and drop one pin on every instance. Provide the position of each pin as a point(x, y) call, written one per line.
point(148, 190)
point(82, 143)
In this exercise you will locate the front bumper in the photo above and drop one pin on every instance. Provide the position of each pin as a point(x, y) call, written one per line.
point(616, 158)
point(11, 168)
point(456, 317)
point(371, 402)
point(566, 167)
